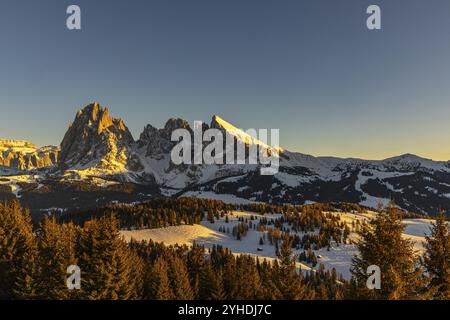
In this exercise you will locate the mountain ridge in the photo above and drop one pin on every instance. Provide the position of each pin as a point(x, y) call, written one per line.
point(98, 145)
point(24, 155)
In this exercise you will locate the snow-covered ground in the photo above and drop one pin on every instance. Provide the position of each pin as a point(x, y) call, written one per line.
point(13, 182)
point(208, 234)
point(416, 230)
point(371, 201)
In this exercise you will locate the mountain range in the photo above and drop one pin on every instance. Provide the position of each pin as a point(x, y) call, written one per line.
point(98, 161)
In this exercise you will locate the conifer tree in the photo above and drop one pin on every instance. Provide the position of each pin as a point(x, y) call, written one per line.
point(179, 279)
point(381, 244)
point(195, 264)
point(109, 269)
point(157, 281)
point(269, 289)
point(249, 283)
point(207, 281)
point(56, 247)
point(287, 279)
point(231, 285)
point(437, 258)
point(18, 252)
point(217, 288)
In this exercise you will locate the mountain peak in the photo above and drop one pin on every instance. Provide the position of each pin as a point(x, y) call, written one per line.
point(95, 139)
point(220, 123)
point(176, 123)
point(97, 116)
point(239, 134)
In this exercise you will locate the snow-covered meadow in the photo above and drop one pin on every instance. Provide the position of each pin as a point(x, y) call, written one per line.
point(210, 234)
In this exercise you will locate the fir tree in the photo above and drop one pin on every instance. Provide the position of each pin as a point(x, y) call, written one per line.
point(217, 289)
point(179, 279)
point(56, 246)
point(249, 285)
point(269, 289)
point(207, 282)
point(195, 264)
point(437, 258)
point(381, 244)
point(18, 253)
point(157, 281)
point(109, 269)
point(287, 279)
point(229, 272)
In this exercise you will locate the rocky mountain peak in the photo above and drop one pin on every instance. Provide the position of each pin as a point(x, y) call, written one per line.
point(176, 123)
point(95, 139)
point(158, 141)
point(148, 133)
point(98, 117)
point(96, 144)
point(215, 122)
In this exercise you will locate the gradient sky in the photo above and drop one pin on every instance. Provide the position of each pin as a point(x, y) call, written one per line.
point(310, 68)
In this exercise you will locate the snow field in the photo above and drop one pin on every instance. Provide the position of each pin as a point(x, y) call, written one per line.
point(208, 234)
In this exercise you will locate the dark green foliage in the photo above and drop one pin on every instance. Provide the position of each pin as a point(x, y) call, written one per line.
point(157, 282)
point(33, 263)
point(437, 259)
point(56, 245)
point(287, 279)
point(382, 244)
point(155, 213)
point(110, 270)
point(18, 253)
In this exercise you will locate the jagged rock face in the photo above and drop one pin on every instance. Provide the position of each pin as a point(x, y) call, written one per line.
point(96, 140)
point(155, 146)
point(157, 142)
point(98, 145)
point(23, 155)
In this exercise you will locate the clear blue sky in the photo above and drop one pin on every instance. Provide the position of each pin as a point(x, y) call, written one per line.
point(310, 68)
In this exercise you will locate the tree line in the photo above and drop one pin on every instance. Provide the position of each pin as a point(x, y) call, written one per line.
point(34, 261)
point(33, 265)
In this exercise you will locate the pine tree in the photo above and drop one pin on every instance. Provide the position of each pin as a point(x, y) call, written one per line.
point(231, 285)
point(287, 279)
point(18, 253)
point(207, 281)
point(437, 258)
point(269, 289)
point(195, 264)
point(249, 287)
point(109, 269)
point(56, 246)
point(157, 281)
point(217, 289)
point(381, 244)
point(179, 280)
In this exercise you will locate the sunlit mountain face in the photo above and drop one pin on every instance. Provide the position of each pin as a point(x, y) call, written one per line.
point(99, 162)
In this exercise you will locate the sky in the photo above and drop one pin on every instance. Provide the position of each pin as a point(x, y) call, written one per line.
point(310, 68)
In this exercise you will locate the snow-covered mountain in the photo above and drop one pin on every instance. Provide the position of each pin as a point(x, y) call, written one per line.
point(97, 146)
point(226, 127)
